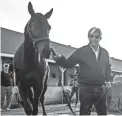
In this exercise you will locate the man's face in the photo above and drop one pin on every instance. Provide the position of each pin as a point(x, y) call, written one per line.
point(6, 68)
point(94, 39)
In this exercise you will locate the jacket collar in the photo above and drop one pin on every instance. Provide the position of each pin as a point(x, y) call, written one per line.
point(100, 50)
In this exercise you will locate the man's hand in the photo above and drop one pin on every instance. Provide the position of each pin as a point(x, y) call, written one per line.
point(56, 57)
point(107, 84)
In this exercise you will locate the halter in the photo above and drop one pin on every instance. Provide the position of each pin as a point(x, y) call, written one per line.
point(37, 40)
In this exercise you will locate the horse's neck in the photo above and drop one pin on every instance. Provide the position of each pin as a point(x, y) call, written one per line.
point(30, 55)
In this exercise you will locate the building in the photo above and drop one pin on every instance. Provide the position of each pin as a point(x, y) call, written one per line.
point(116, 69)
point(116, 65)
point(11, 40)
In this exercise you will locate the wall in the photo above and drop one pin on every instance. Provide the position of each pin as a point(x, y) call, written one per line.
point(10, 41)
point(116, 92)
point(53, 70)
point(116, 64)
point(68, 76)
point(52, 95)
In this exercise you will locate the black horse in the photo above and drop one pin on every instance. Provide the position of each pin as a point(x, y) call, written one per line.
point(30, 65)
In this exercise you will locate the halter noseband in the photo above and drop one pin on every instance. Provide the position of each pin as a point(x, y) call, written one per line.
point(33, 38)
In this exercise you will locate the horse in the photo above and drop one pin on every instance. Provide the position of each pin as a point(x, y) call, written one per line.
point(30, 61)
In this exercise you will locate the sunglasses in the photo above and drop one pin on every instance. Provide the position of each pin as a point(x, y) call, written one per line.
point(95, 36)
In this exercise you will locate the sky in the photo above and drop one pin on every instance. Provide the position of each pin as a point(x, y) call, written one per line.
point(71, 20)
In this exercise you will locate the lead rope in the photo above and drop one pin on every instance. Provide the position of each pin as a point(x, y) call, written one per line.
point(67, 101)
point(53, 52)
point(104, 94)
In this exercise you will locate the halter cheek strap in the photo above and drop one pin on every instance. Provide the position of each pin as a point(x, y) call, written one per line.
point(33, 38)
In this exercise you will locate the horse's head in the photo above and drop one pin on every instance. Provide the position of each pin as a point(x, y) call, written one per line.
point(37, 31)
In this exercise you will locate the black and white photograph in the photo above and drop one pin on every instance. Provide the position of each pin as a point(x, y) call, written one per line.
point(61, 57)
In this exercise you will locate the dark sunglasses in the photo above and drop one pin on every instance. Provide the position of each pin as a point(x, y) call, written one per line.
point(95, 36)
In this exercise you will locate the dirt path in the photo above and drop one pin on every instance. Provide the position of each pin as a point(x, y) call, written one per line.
point(60, 109)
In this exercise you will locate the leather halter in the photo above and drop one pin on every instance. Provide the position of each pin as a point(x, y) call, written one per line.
point(35, 40)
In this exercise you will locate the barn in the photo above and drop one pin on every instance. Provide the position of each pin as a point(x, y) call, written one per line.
point(11, 40)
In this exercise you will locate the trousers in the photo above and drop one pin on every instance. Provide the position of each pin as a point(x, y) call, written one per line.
point(6, 92)
point(89, 96)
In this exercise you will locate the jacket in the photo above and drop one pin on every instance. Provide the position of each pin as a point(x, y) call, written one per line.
point(92, 71)
point(6, 79)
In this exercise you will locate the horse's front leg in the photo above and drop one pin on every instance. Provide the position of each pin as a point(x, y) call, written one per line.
point(31, 95)
point(42, 99)
point(44, 91)
point(37, 92)
point(24, 94)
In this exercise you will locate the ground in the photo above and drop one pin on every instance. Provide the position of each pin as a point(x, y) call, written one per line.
point(59, 109)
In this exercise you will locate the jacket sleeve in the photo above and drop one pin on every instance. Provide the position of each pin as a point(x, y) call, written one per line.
point(109, 76)
point(69, 62)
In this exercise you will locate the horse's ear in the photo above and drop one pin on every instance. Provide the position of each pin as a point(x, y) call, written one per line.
point(30, 9)
point(48, 14)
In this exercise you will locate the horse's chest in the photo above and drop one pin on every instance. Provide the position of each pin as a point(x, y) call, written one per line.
point(34, 76)
point(39, 72)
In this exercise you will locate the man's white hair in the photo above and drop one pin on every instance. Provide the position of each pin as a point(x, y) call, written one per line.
point(93, 30)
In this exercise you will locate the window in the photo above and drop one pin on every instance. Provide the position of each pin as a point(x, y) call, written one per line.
point(71, 76)
point(53, 75)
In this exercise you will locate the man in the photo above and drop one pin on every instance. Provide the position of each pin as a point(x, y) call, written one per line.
point(6, 86)
point(74, 84)
point(95, 72)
